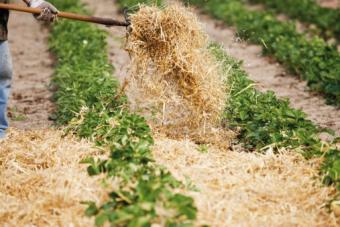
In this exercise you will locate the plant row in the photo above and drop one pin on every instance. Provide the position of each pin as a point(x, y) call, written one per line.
point(312, 59)
point(264, 121)
point(308, 11)
point(91, 105)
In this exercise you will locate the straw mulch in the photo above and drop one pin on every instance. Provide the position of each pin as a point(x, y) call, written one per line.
point(42, 182)
point(249, 189)
point(174, 80)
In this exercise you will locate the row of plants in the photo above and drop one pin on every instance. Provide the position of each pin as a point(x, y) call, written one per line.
point(308, 11)
point(312, 59)
point(264, 121)
point(91, 105)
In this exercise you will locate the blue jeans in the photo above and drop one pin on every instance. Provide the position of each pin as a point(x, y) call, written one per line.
point(5, 84)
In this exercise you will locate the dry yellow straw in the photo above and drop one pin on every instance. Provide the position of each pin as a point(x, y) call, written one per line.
point(42, 182)
point(173, 75)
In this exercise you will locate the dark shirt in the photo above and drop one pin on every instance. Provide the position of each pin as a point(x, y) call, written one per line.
point(3, 22)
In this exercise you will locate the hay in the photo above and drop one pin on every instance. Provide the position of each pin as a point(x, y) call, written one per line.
point(248, 189)
point(42, 182)
point(174, 80)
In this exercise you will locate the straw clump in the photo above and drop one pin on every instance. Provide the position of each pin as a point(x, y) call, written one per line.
point(42, 182)
point(173, 75)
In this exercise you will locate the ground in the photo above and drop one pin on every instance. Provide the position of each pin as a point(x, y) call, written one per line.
point(330, 3)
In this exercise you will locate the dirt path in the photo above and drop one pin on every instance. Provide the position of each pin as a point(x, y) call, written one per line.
point(329, 3)
point(30, 103)
point(270, 75)
point(235, 188)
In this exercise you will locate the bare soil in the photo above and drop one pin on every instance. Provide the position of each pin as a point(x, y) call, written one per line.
point(330, 3)
point(30, 102)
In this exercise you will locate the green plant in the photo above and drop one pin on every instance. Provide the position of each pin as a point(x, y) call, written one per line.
point(203, 148)
point(331, 167)
point(264, 120)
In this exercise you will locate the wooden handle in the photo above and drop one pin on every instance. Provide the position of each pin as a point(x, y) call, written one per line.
point(72, 16)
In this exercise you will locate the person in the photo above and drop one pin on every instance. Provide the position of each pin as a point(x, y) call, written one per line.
point(49, 13)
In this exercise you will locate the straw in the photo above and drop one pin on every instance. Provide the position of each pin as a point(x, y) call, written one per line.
point(42, 182)
point(249, 189)
point(174, 80)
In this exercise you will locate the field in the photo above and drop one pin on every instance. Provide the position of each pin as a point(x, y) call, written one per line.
point(202, 113)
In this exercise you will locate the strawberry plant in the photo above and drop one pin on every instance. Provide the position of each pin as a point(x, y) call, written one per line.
point(264, 120)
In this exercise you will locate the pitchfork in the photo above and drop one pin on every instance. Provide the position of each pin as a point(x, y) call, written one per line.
point(98, 20)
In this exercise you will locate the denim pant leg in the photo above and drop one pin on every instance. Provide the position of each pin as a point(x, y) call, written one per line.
point(5, 84)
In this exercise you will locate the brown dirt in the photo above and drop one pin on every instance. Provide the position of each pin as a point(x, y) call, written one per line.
point(330, 3)
point(30, 103)
point(270, 75)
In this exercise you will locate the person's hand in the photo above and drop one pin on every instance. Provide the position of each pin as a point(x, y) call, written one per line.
point(49, 12)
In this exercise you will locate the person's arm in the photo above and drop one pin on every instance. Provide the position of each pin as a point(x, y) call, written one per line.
point(49, 12)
